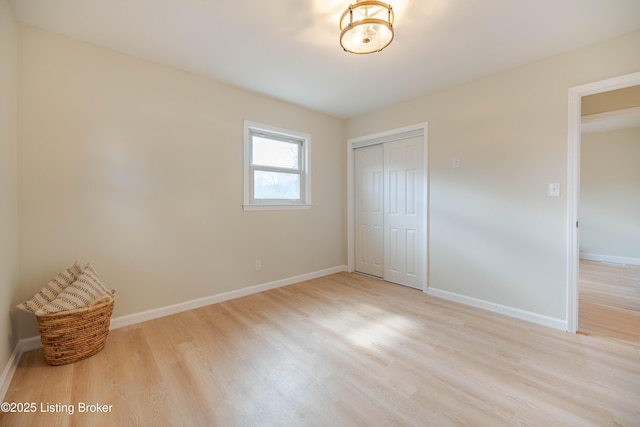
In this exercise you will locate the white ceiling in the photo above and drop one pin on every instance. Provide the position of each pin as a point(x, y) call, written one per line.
point(289, 49)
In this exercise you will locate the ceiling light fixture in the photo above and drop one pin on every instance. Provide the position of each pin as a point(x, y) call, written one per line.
point(366, 27)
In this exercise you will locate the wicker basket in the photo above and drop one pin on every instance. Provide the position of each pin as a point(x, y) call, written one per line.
point(69, 336)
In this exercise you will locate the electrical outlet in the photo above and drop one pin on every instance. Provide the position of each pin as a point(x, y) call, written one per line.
point(258, 265)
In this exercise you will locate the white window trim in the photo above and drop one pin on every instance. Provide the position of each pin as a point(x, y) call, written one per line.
point(271, 205)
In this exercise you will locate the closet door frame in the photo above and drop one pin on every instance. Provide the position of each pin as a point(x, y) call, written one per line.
point(420, 129)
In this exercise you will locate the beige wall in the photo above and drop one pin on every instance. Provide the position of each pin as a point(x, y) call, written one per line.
point(494, 234)
point(619, 99)
point(8, 180)
point(610, 193)
point(137, 168)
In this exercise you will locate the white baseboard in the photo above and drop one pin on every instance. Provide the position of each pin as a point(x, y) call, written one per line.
point(517, 313)
point(23, 345)
point(132, 319)
point(610, 258)
point(9, 370)
point(32, 343)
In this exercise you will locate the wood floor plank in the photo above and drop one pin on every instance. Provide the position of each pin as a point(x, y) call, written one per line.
point(343, 350)
point(614, 285)
point(609, 300)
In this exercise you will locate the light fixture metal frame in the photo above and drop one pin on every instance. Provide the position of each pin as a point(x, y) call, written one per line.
point(388, 23)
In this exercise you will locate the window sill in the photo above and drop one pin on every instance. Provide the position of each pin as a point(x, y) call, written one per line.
point(275, 207)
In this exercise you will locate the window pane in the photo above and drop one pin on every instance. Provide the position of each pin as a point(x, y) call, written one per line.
point(280, 154)
point(276, 185)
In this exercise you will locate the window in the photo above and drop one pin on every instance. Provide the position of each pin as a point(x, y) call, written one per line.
point(276, 168)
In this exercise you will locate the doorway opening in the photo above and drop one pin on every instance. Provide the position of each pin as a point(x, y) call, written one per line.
point(573, 182)
point(609, 232)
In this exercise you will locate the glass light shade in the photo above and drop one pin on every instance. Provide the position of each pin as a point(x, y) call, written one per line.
point(366, 27)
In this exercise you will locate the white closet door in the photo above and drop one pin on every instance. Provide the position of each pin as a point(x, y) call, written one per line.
point(404, 212)
point(369, 212)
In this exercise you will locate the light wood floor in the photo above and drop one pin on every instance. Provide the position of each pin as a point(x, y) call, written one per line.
point(609, 300)
point(344, 350)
